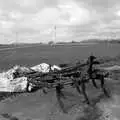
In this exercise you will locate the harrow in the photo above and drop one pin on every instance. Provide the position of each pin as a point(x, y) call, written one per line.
point(75, 76)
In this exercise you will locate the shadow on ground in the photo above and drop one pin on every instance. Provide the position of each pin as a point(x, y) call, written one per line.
point(46, 107)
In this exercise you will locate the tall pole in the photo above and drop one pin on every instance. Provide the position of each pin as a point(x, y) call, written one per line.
point(16, 39)
point(55, 33)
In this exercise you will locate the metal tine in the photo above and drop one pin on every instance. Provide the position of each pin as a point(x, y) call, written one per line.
point(84, 81)
point(103, 86)
point(70, 76)
point(59, 95)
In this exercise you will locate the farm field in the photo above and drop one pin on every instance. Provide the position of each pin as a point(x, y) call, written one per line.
point(37, 106)
point(30, 56)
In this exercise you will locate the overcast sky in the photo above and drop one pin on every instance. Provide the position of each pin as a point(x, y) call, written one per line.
point(34, 20)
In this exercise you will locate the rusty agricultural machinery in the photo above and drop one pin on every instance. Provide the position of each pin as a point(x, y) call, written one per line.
point(76, 76)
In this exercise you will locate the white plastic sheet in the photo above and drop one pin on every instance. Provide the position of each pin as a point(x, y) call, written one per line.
point(15, 85)
point(45, 68)
point(10, 84)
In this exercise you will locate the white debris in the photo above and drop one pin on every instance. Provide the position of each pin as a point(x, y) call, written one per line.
point(30, 87)
point(18, 84)
point(10, 84)
point(9, 74)
point(55, 67)
point(45, 68)
point(4, 83)
point(15, 85)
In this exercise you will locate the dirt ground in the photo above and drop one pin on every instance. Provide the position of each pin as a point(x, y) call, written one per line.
point(37, 106)
point(54, 54)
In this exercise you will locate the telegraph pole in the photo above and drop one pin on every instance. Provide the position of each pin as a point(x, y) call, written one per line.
point(55, 33)
point(16, 39)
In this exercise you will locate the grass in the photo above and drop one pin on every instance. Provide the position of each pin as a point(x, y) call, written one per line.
point(33, 104)
point(54, 54)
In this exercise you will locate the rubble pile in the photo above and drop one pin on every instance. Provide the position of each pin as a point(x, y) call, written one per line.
point(10, 83)
point(14, 79)
point(45, 68)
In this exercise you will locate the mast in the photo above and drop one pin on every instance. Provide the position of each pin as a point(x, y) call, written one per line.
point(16, 39)
point(55, 33)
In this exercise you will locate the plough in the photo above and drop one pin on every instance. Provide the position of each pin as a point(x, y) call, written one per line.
point(76, 76)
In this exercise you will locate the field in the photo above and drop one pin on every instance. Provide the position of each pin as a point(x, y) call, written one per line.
point(37, 106)
point(30, 56)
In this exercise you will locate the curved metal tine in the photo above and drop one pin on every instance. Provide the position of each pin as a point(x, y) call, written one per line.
point(84, 91)
point(106, 92)
point(27, 87)
point(62, 95)
point(90, 69)
point(94, 83)
point(97, 77)
point(102, 81)
point(59, 92)
point(61, 105)
point(93, 79)
point(58, 95)
point(77, 86)
point(103, 86)
point(60, 88)
point(78, 89)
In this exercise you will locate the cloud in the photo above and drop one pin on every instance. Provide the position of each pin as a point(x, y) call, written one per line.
point(6, 26)
point(75, 16)
point(15, 15)
point(41, 20)
point(118, 13)
point(27, 3)
point(68, 13)
point(9, 20)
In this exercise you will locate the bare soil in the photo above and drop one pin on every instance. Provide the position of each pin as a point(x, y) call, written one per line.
point(38, 106)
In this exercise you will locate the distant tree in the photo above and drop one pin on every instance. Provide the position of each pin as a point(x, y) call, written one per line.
point(50, 42)
point(73, 41)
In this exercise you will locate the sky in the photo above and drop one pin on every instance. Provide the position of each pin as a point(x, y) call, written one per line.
point(32, 21)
